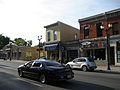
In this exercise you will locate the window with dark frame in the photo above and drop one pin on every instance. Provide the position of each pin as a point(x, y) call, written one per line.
point(48, 36)
point(115, 30)
point(86, 32)
point(99, 30)
point(36, 64)
point(55, 35)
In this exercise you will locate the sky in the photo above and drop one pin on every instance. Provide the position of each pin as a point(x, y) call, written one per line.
point(26, 18)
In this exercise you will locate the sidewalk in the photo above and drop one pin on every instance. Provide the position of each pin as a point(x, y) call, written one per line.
point(113, 68)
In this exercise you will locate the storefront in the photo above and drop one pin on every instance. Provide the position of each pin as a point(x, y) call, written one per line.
point(52, 51)
point(97, 51)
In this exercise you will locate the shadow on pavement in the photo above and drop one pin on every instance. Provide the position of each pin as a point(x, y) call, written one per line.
point(78, 85)
point(10, 82)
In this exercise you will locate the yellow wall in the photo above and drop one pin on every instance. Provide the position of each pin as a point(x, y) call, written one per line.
point(68, 32)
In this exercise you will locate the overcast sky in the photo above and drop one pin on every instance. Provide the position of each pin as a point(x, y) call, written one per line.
point(27, 18)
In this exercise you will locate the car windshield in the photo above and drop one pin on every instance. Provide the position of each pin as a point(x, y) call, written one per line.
point(52, 64)
point(90, 60)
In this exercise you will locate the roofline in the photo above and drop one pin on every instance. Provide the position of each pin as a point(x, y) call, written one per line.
point(52, 24)
point(59, 22)
point(100, 16)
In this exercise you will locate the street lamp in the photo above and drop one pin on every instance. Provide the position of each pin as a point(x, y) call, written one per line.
point(108, 43)
point(10, 46)
point(39, 38)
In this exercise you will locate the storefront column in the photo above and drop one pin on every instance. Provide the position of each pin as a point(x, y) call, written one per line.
point(60, 53)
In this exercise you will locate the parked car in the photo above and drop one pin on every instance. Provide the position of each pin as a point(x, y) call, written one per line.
point(45, 70)
point(83, 63)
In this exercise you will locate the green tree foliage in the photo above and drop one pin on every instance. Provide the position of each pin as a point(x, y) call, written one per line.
point(20, 42)
point(3, 41)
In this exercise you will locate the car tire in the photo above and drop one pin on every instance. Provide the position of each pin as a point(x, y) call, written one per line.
point(84, 68)
point(20, 73)
point(68, 65)
point(42, 79)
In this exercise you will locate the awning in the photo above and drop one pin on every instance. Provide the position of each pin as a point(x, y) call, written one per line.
point(51, 47)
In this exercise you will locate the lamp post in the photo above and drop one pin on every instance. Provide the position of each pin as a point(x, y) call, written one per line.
point(108, 42)
point(10, 45)
point(39, 39)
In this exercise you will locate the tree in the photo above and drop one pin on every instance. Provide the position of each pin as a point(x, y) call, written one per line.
point(3, 41)
point(20, 42)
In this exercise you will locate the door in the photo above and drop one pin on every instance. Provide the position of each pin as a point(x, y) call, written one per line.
point(27, 68)
point(35, 69)
point(77, 63)
point(112, 57)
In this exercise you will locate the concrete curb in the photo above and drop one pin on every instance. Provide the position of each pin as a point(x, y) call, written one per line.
point(113, 68)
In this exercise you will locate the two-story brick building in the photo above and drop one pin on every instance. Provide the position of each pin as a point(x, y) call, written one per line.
point(56, 34)
point(93, 37)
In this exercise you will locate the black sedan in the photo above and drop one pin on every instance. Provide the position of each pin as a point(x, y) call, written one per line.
point(45, 70)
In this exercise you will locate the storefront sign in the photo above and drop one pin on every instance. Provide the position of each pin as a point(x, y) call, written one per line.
point(93, 45)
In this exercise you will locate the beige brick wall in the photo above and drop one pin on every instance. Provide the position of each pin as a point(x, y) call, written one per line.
point(68, 32)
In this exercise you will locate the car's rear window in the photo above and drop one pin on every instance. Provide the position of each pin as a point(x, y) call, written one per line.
point(52, 64)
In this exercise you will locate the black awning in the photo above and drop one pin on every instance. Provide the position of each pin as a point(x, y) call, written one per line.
point(51, 47)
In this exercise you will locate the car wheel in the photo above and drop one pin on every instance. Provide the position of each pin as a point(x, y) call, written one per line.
point(68, 65)
point(20, 73)
point(43, 79)
point(84, 68)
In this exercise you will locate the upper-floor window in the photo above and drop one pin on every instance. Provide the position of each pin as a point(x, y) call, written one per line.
point(98, 29)
point(86, 32)
point(48, 34)
point(55, 35)
point(115, 30)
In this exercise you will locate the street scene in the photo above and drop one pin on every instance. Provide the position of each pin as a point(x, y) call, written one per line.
point(99, 79)
point(60, 45)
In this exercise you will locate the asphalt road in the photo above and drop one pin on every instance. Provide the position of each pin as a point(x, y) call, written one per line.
point(97, 80)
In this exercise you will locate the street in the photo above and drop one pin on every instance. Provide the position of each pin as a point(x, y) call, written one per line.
point(97, 80)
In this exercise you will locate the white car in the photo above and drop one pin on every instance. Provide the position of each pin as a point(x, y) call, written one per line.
point(83, 63)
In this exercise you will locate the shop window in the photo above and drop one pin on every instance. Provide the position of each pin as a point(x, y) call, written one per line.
point(48, 34)
point(115, 30)
point(99, 30)
point(99, 54)
point(86, 32)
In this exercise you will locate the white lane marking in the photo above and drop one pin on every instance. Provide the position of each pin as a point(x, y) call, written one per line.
point(30, 81)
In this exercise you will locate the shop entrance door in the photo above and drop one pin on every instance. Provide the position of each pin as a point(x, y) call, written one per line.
point(112, 57)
